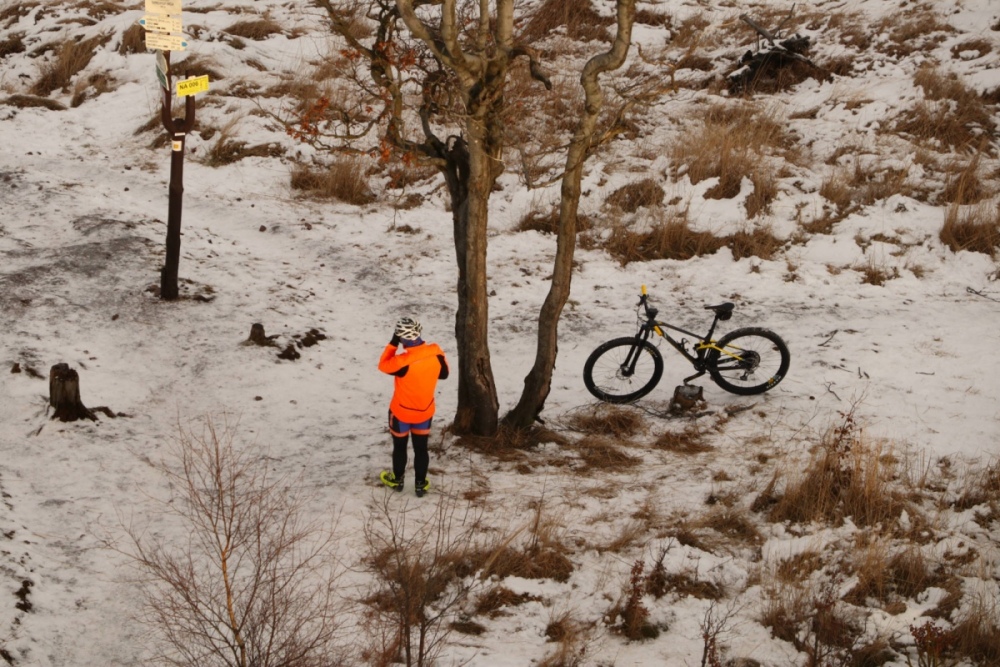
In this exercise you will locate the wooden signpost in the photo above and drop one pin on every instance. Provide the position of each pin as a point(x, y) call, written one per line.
point(164, 25)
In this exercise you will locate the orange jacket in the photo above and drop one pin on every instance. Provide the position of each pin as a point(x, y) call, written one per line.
point(417, 370)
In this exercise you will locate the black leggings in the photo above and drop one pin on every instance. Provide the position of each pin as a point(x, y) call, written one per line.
point(420, 457)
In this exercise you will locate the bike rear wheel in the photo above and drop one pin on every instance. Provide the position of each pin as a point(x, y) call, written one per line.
point(753, 361)
point(623, 370)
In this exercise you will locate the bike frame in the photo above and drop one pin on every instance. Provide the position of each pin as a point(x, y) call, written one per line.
point(703, 344)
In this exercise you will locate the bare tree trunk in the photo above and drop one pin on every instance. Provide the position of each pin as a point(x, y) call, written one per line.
point(538, 382)
point(64, 395)
point(478, 406)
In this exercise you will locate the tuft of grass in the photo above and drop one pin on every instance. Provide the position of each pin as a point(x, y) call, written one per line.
point(600, 454)
point(548, 222)
point(633, 196)
point(577, 20)
point(951, 116)
point(612, 420)
point(874, 272)
point(910, 31)
point(849, 476)
point(343, 180)
point(13, 44)
point(758, 242)
point(974, 228)
point(33, 101)
point(256, 29)
point(496, 599)
point(691, 440)
point(672, 239)
point(70, 58)
point(133, 40)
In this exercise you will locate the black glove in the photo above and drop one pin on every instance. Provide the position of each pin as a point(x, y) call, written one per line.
point(395, 341)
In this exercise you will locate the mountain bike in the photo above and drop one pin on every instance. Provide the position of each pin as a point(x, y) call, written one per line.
point(745, 361)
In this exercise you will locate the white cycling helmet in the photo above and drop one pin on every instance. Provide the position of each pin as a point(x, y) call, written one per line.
point(408, 328)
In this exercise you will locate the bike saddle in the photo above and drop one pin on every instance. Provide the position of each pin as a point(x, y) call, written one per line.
point(723, 310)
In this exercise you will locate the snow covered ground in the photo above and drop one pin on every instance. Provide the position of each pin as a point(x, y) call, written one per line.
point(84, 203)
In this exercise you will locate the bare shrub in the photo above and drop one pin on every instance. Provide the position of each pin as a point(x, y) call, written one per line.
point(629, 615)
point(343, 180)
point(71, 57)
point(257, 29)
point(421, 580)
point(253, 582)
point(974, 228)
point(613, 420)
point(633, 196)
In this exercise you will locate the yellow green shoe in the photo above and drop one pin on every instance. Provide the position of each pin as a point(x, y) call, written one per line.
point(390, 480)
point(421, 486)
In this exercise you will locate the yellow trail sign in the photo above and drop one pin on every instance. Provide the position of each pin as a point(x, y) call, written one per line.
point(198, 84)
point(161, 23)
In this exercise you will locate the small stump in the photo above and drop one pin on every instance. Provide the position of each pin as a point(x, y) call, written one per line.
point(64, 395)
point(258, 337)
point(687, 397)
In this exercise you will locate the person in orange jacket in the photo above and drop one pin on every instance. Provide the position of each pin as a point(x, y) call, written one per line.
point(417, 369)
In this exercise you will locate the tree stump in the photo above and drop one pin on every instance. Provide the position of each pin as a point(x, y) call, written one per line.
point(687, 397)
point(258, 337)
point(64, 395)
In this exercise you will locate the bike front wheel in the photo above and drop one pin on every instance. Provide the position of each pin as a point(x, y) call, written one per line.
point(748, 361)
point(623, 370)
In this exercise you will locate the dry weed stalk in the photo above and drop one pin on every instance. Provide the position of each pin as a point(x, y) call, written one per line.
point(420, 569)
point(253, 582)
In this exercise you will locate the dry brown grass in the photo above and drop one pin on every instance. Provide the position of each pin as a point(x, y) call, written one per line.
point(547, 222)
point(617, 421)
point(910, 31)
point(849, 189)
point(33, 101)
point(672, 239)
point(344, 181)
point(631, 197)
point(13, 44)
point(577, 20)
point(976, 634)
point(133, 40)
point(601, 454)
point(691, 440)
point(91, 87)
point(256, 29)
point(951, 116)
point(757, 242)
point(494, 601)
point(69, 59)
point(849, 476)
point(974, 228)
point(737, 141)
point(876, 272)
point(963, 184)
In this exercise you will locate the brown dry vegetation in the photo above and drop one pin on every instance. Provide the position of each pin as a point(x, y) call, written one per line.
point(951, 115)
point(343, 181)
point(69, 58)
point(910, 31)
point(974, 228)
point(576, 20)
point(256, 29)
